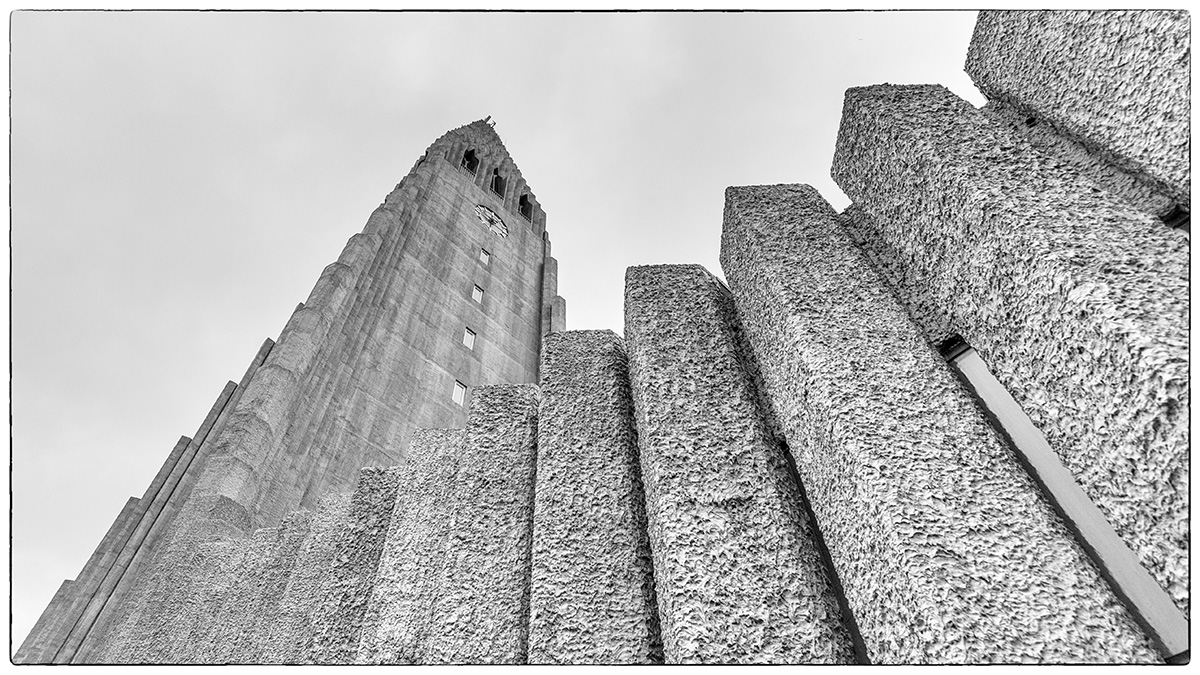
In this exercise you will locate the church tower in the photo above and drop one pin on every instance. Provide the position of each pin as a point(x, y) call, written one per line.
point(448, 287)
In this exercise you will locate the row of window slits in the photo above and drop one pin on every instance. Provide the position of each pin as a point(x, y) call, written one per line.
point(459, 395)
point(471, 163)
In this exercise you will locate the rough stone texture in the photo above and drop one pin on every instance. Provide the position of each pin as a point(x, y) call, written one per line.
point(592, 585)
point(1133, 187)
point(290, 636)
point(400, 612)
point(258, 604)
point(348, 587)
point(1077, 301)
point(177, 614)
point(233, 612)
point(909, 286)
point(944, 546)
point(1118, 82)
point(481, 613)
point(737, 575)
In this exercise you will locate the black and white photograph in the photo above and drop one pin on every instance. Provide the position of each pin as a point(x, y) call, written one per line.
point(599, 336)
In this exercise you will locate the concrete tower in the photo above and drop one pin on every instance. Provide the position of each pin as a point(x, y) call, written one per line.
point(449, 286)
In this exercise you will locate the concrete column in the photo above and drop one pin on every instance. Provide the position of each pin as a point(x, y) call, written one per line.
point(1118, 82)
point(592, 589)
point(348, 587)
point(549, 290)
point(260, 608)
point(738, 577)
point(944, 546)
point(231, 617)
point(290, 637)
point(400, 612)
point(558, 314)
point(1076, 300)
point(482, 613)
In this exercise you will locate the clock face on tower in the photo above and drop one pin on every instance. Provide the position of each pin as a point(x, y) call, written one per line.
point(488, 217)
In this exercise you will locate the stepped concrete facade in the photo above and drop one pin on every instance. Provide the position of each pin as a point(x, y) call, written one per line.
point(799, 464)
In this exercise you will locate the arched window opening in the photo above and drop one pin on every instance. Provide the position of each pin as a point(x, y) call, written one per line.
point(469, 161)
point(497, 182)
point(525, 207)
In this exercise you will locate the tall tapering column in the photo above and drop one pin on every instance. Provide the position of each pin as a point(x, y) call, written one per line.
point(592, 581)
point(738, 577)
point(1076, 300)
point(399, 617)
point(945, 548)
point(481, 615)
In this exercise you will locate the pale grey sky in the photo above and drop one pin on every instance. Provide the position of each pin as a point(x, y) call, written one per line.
point(179, 180)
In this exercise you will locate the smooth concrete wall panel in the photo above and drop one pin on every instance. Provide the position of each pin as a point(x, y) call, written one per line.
point(592, 587)
point(945, 548)
point(400, 611)
point(481, 614)
point(1116, 81)
point(290, 636)
point(60, 617)
point(337, 626)
point(1076, 300)
point(41, 644)
point(737, 575)
point(160, 514)
point(109, 602)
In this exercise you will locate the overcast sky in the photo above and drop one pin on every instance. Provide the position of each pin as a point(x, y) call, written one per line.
point(179, 180)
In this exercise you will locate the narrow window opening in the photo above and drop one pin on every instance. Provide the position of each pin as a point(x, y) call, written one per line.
point(460, 392)
point(485, 257)
point(468, 338)
point(497, 182)
point(525, 207)
point(477, 295)
point(469, 161)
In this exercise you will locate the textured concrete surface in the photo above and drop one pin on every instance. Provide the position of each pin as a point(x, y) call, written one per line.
point(592, 586)
point(737, 575)
point(944, 546)
point(1117, 81)
point(400, 612)
point(290, 636)
point(1134, 187)
point(481, 613)
point(258, 605)
point(347, 589)
point(1077, 301)
point(232, 612)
